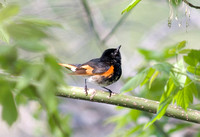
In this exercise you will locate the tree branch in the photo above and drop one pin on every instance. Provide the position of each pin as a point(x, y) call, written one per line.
point(90, 19)
point(191, 5)
point(129, 102)
point(113, 30)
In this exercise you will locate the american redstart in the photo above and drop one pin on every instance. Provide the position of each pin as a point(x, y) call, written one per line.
point(102, 71)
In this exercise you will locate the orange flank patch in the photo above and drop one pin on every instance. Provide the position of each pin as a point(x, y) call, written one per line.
point(109, 72)
point(88, 69)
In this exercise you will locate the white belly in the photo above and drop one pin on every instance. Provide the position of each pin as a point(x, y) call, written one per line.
point(99, 80)
point(96, 79)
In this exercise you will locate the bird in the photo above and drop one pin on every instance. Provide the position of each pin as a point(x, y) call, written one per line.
point(102, 71)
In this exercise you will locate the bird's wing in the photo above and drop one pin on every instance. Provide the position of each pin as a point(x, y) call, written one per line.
point(92, 67)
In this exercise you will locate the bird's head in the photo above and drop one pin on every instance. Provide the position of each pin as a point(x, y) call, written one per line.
point(111, 55)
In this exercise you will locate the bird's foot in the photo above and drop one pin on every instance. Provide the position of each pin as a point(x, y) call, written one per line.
point(92, 92)
point(110, 91)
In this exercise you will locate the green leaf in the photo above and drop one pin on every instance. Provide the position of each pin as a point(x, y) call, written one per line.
point(9, 112)
point(195, 106)
point(169, 53)
point(175, 3)
point(160, 112)
point(195, 54)
point(151, 55)
point(28, 76)
point(134, 114)
point(135, 81)
point(47, 89)
point(194, 70)
point(193, 57)
point(8, 58)
point(119, 120)
point(153, 77)
point(133, 129)
point(181, 45)
point(166, 53)
point(26, 94)
point(172, 51)
point(148, 76)
point(4, 50)
point(154, 93)
point(179, 127)
point(170, 91)
point(30, 29)
point(175, 79)
point(178, 77)
point(41, 22)
point(190, 61)
point(131, 6)
point(9, 11)
point(31, 45)
point(184, 51)
point(26, 31)
point(55, 122)
point(4, 36)
point(185, 96)
point(163, 67)
point(178, 48)
point(53, 69)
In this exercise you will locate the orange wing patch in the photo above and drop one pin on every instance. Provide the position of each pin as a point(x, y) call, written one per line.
point(109, 72)
point(88, 69)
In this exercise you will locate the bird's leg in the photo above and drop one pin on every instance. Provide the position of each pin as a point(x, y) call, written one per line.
point(110, 91)
point(86, 93)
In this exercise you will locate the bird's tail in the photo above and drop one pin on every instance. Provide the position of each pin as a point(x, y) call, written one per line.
point(69, 66)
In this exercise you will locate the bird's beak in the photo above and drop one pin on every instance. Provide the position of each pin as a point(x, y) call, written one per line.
point(118, 48)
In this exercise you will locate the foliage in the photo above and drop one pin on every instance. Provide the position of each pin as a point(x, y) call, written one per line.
point(181, 78)
point(174, 3)
point(179, 82)
point(22, 80)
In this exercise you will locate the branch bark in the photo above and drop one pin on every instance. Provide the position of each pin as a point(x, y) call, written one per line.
point(129, 102)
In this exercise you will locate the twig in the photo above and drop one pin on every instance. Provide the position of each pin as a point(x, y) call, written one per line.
point(91, 22)
point(58, 124)
point(191, 5)
point(56, 119)
point(130, 102)
point(107, 37)
point(160, 129)
point(158, 126)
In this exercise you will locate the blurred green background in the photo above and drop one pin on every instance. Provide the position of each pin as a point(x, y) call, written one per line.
point(78, 40)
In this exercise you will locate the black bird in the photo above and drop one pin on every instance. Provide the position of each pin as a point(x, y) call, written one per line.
point(102, 71)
